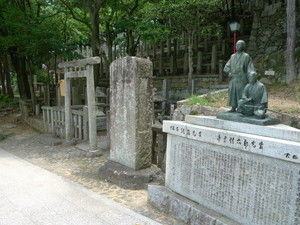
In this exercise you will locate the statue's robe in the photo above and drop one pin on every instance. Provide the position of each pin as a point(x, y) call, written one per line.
point(259, 99)
point(238, 67)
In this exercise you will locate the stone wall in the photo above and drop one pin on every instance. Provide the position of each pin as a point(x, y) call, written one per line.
point(268, 40)
point(178, 86)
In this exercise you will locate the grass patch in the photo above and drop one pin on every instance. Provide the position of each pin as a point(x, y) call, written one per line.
point(294, 110)
point(207, 100)
point(7, 102)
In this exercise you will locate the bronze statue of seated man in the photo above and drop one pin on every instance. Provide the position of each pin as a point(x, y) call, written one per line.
point(254, 100)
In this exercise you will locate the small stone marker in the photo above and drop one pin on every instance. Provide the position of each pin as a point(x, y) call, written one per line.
point(269, 72)
point(131, 112)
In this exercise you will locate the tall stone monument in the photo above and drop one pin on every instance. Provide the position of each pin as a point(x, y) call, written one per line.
point(131, 110)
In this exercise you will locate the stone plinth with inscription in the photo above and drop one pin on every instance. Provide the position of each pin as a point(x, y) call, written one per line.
point(131, 110)
point(247, 172)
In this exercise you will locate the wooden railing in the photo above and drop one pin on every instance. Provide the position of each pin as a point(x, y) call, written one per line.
point(55, 117)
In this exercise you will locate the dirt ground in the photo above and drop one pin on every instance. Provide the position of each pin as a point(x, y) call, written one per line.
point(281, 98)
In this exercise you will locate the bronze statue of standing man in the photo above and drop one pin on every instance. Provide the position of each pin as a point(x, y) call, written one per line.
point(238, 67)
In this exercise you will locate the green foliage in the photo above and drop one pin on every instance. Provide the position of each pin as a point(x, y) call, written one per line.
point(294, 110)
point(5, 98)
point(177, 16)
point(297, 53)
point(39, 28)
point(207, 100)
point(197, 100)
point(6, 101)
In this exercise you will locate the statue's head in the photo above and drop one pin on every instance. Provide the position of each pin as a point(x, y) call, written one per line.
point(252, 77)
point(240, 45)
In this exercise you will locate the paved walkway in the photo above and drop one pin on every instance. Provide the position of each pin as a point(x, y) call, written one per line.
point(72, 164)
point(33, 196)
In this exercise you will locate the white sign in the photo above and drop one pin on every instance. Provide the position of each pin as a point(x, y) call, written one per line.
point(270, 72)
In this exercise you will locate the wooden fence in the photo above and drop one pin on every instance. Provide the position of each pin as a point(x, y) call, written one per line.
point(55, 118)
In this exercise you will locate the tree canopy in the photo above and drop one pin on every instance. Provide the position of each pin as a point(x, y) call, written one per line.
point(33, 32)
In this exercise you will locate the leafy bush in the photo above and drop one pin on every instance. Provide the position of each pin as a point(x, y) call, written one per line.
point(6, 101)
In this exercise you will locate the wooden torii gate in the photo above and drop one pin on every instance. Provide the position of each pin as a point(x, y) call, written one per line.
point(76, 69)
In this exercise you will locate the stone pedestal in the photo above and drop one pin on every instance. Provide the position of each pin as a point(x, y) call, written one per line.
point(131, 112)
point(249, 173)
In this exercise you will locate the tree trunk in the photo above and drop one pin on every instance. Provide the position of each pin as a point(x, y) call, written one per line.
point(130, 44)
point(31, 86)
point(175, 57)
point(291, 73)
point(2, 77)
point(10, 91)
point(19, 64)
point(190, 55)
point(95, 39)
point(109, 40)
point(161, 62)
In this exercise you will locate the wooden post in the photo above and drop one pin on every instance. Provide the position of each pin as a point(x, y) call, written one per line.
point(165, 95)
point(199, 62)
point(214, 59)
point(68, 114)
point(161, 58)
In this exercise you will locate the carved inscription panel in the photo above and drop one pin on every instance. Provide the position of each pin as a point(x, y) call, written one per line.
point(249, 188)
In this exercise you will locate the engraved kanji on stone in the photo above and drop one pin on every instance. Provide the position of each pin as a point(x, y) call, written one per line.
point(261, 145)
point(287, 155)
point(231, 140)
point(246, 143)
point(238, 141)
point(200, 134)
point(194, 133)
point(188, 132)
point(177, 128)
point(225, 138)
point(182, 131)
point(219, 138)
point(295, 157)
point(253, 144)
point(172, 127)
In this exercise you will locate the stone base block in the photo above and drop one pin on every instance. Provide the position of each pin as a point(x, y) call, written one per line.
point(238, 117)
point(184, 209)
point(126, 177)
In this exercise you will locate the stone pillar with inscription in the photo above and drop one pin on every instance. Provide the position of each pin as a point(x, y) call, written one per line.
point(250, 173)
point(131, 112)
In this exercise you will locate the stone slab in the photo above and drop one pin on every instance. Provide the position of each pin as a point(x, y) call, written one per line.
point(184, 209)
point(80, 63)
point(250, 178)
point(127, 177)
point(238, 117)
point(279, 131)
